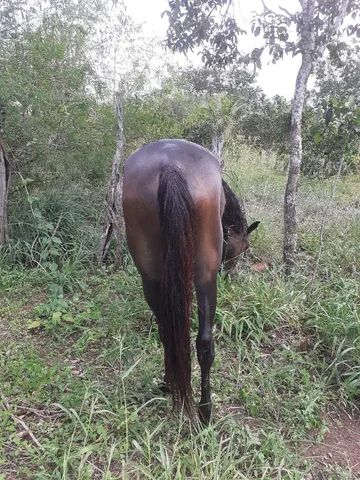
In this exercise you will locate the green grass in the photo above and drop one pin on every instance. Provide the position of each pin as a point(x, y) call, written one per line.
point(80, 359)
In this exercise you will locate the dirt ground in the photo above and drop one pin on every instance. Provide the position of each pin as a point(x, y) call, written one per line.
point(341, 445)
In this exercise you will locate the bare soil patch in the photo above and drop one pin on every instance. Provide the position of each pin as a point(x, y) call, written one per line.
point(341, 445)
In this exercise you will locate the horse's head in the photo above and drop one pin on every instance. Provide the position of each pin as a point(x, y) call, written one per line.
point(235, 229)
point(235, 244)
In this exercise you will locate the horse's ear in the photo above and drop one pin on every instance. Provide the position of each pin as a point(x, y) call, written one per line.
point(252, 227)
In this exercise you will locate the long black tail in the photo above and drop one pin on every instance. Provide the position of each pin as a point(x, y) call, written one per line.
point(177, 225)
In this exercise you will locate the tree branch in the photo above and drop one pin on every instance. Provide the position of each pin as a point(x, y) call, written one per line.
point(26, 430)
point(334, 27)
point(290, 15)
point(339, 18)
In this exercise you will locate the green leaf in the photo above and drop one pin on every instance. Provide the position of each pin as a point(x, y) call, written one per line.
point(68, 318)
point(318, 137)
point(53, 267)
point(56, 317)
point(44, 255)
point(35, 324)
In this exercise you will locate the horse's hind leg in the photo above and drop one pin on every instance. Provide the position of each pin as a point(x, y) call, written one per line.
point(152, 295)
point(206, 298)
point(207, 263)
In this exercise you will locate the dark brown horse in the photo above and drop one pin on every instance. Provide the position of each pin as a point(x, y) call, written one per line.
point(177, 213)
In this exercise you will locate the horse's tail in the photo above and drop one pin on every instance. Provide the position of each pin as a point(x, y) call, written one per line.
point(177, 224)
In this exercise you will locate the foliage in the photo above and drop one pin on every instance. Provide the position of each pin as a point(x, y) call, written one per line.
point(59, 136)
point(213, 26)
point(333, 127)
point(316, 25)
point(199, 103)
point(153, 117)
point(57, 119)
point(206, 23)
point(233, 80)
point(51, 122)
point(268, 127)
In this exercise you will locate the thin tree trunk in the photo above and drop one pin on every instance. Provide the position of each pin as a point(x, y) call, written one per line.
point(217, 145)
point(308, 51)
point(290, 215)
point(4, 190)
point(113, 223)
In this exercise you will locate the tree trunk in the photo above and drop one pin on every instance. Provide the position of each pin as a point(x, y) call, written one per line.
point(113, 222)
point(308, 51)
point(4, 189)
point(290, 215)
point(217, 144)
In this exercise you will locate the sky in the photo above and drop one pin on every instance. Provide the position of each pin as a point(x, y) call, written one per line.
point(274, 79)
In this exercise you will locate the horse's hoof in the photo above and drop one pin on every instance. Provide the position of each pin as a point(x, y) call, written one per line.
point(205, 414)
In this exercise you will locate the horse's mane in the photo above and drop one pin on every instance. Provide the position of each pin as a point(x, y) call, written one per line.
point(234, 213)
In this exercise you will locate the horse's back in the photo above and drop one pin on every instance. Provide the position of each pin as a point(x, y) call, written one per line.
point(201, 172)
point(199, 167)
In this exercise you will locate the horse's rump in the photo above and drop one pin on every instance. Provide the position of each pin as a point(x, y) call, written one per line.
point(173, 203)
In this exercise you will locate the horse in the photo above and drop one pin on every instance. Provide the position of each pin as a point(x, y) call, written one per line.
point(182, 221)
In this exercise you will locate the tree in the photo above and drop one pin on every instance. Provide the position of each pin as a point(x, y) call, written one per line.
point(332, 130)
point(205, 105)
point(222, 94)
point(113, 223)
point(206, 23)
point(209, 25)
point(313, 40)
point(58, 135)
point(267, 125)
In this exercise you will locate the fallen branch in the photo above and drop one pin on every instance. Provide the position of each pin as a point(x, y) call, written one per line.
point(44, 414)
point(26, 431)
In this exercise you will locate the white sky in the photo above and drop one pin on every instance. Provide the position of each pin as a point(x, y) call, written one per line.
point(274, 79)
